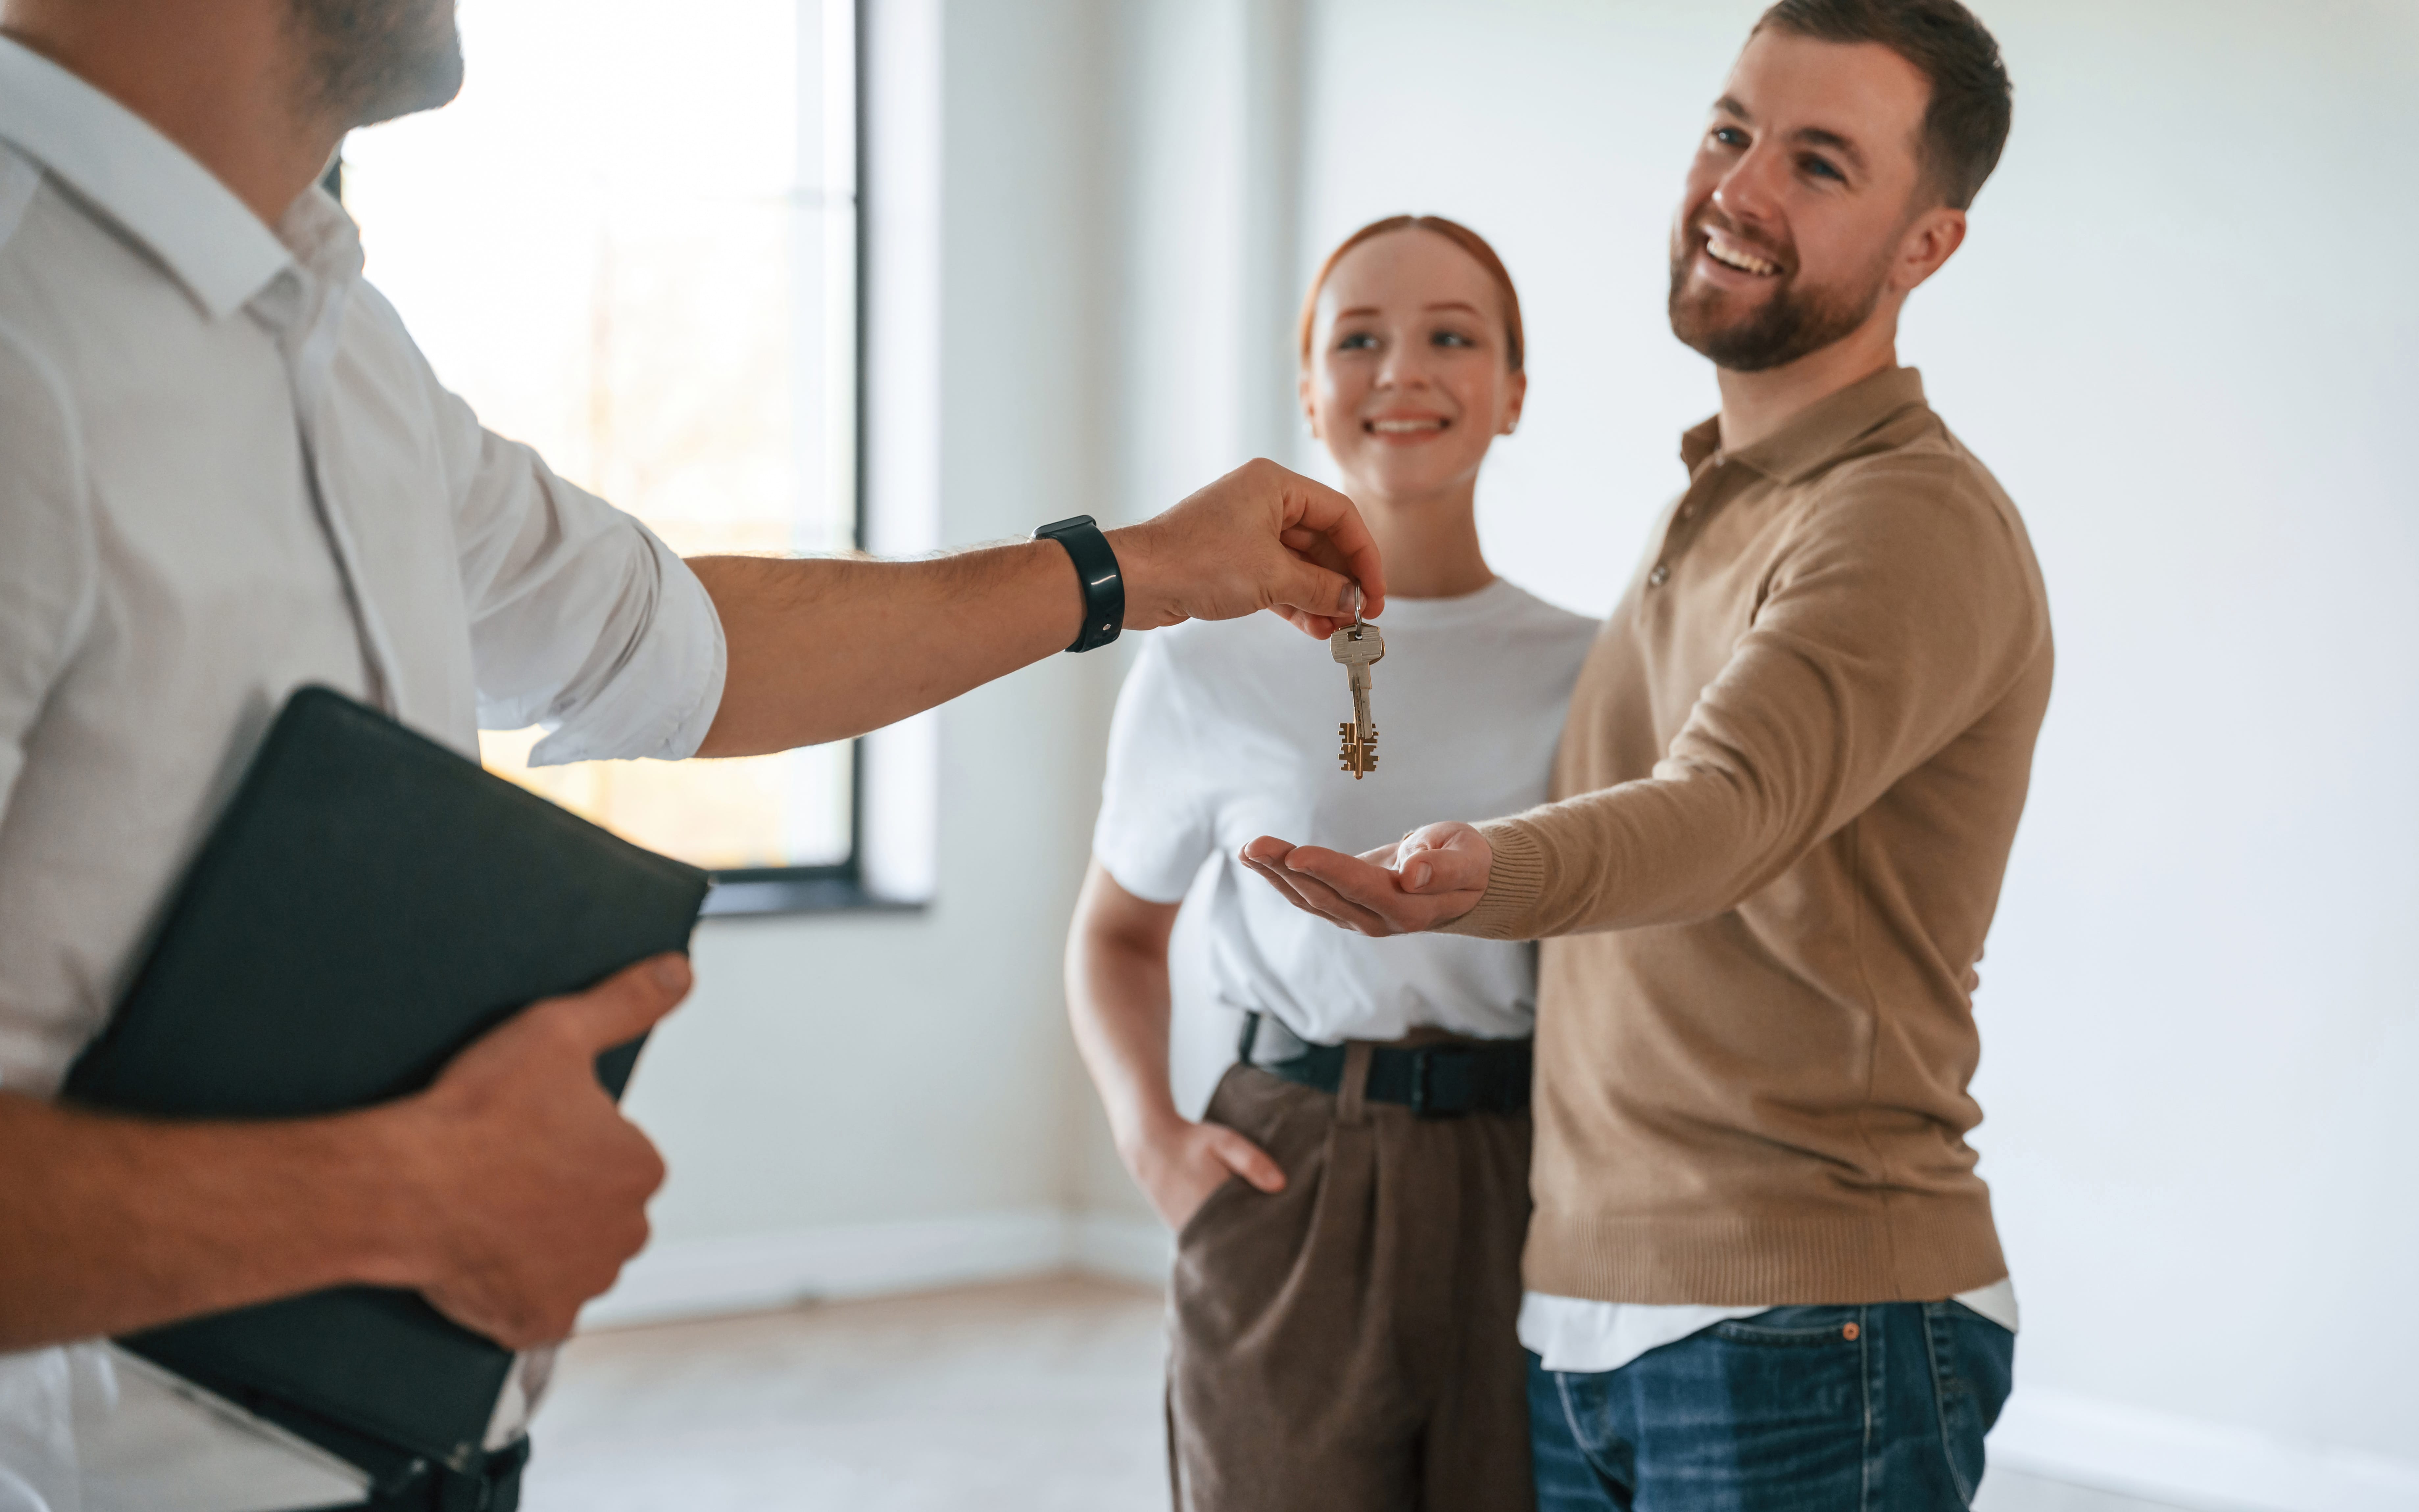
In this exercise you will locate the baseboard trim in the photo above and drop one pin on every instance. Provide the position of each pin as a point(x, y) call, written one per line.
point(2187, 1462)
point(1124, 1249)
point(757, 1272)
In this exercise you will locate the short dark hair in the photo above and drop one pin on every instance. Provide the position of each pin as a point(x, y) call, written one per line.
point(1967, 123)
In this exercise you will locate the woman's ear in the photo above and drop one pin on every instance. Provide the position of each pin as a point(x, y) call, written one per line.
point(1518, 397)
point(1309, 409)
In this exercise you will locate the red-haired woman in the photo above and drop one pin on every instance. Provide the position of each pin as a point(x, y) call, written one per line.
point(1351, 1210)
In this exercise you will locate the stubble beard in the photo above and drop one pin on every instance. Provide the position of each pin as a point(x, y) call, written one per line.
point(1790, 323)
point(367, 61)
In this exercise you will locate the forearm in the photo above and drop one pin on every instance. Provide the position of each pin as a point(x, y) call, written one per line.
point(1658, 852)
point(110, 1224)
point(1120, 1015)
point(827, 648)
point(1118, 1002)
point(824, 648)
point(1780, 752)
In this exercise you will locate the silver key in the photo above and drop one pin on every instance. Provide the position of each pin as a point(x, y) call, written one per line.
point(1359, 646)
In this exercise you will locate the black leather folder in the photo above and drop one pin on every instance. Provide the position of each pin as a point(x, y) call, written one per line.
point(369, 903)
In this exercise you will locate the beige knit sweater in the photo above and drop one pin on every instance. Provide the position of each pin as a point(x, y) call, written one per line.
point(1791, 774)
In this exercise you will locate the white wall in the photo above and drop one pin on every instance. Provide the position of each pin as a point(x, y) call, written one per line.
point(1061, 276)
point(1208, 193)
point(861, 1099)
point(2201, 1040)
point(2179, 338)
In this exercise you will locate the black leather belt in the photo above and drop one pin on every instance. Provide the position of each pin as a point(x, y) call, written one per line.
point(1443, 1080)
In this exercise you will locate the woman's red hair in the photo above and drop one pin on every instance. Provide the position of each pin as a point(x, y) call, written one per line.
point(1452, 231)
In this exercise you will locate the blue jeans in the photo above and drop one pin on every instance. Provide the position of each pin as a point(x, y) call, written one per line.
point(1871, 1409)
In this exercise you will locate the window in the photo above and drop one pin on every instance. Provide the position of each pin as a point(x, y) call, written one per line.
point(632, 243)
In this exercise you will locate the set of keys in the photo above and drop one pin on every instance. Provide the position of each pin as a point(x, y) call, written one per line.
point(1359, 646)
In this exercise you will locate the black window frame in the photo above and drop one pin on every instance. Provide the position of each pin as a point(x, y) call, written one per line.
point(741, 892)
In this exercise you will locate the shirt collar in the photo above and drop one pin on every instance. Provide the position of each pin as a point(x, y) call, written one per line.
point(1822, 432)
point(121, 165)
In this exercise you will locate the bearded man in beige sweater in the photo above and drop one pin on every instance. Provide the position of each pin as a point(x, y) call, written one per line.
point(1762, 1271)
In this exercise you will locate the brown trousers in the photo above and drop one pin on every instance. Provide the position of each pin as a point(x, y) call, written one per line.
point(1349, 1343)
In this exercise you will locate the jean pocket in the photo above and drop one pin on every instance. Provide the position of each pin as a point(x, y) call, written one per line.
point(1783, 1328)
point(1767, 1411)
point(1973, 1369)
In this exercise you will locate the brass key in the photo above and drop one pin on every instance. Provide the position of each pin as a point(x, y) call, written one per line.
point(1359, 646)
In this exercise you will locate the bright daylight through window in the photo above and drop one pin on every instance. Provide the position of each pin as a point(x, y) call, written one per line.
point(632, 244)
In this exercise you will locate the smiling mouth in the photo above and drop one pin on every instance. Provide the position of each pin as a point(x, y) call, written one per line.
point(1731, 254)
point(1428, 426)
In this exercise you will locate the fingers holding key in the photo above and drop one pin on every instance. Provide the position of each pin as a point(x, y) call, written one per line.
point(1260, 537)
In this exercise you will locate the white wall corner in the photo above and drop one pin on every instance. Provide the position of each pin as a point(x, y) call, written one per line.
point(1271, 252)
point(901, 205)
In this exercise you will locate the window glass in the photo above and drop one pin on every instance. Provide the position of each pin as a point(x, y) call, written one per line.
point(630, 242)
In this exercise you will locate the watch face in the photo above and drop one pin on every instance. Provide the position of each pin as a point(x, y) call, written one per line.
point(1059, 526)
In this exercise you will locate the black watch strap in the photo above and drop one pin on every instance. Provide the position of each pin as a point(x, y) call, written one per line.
point(1095, 567)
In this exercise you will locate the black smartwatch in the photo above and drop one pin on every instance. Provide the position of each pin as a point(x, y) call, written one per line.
point(1096, 568)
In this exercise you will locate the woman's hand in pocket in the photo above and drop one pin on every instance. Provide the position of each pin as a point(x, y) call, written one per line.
point(1179, 1162)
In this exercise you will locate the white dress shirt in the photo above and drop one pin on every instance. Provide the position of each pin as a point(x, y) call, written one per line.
point(227, 471)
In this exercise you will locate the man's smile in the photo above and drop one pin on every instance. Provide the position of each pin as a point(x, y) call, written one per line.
point(1731, 255)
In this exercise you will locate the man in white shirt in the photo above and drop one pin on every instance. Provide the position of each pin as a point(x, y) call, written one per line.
point(225, 472)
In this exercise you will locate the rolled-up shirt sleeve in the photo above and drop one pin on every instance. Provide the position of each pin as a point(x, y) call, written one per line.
point(582, 621)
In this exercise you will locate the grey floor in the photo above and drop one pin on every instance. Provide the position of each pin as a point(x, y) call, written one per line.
point(1037, 1396)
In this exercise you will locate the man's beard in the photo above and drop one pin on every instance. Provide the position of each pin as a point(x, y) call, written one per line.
point(1792, 322)
point(367, 61)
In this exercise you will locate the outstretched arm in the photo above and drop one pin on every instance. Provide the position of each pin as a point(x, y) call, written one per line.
point(1878, 642)
point(824, 648)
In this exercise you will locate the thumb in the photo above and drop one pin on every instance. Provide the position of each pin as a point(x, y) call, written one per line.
point(1248, 1161)
point(628, 1003)
point(1316, 590)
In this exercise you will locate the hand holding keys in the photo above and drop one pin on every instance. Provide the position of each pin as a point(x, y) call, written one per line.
point(1359, 646)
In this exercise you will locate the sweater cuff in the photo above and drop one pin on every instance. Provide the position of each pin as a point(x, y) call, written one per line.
point(1514, 884)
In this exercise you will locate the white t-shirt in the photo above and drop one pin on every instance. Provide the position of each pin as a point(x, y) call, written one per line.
point(1227, 731)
